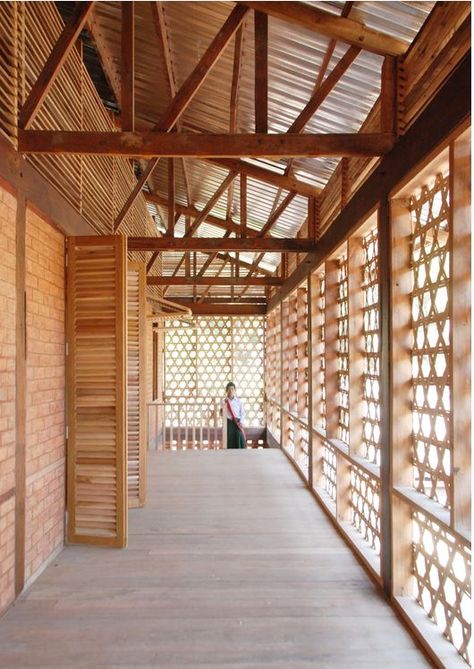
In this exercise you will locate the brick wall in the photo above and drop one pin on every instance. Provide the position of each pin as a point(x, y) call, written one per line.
point(7, 396)
point(45, 439)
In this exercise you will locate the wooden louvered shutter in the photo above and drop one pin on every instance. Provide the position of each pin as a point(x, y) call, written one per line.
point(136, 384)
point(97, 403)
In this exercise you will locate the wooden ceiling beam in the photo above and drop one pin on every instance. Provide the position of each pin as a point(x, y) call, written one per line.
point(170, 145)
point(183, 97)
point(336, 27)
point(213, 281)
point(54, 62)
point(213, 244)
point(224, 309)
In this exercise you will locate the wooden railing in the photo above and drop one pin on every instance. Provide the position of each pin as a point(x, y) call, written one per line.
point(195, 424)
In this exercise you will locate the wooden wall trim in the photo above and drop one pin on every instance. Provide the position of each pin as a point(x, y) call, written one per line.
point(20, 394)
point(448, 110)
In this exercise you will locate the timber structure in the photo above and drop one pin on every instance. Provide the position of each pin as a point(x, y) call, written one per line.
point(274, 193)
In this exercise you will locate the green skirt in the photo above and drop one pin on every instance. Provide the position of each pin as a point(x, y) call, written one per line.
point(235, 438)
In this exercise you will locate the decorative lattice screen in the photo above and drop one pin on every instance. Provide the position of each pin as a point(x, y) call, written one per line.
point(371, 385)
point(431, 348)
point(442, 571)
point(343, 349)
point(201, 358)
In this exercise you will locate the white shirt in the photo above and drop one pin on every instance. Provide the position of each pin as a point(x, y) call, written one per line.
point(237, 408)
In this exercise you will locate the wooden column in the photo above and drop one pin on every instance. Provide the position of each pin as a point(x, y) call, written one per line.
point(460, 301)
point(388, 96)
point(331, 364)
point(385, 313)
point(20, 395)
point(310, 379)
point(171, 196)
point(356, 343)
point(401, 392)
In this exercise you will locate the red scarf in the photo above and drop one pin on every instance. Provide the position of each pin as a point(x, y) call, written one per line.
point(234, 418)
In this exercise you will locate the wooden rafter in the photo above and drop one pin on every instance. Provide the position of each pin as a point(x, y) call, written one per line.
point(212, 202)
point(192, 212)
point(234, 101)
point(266, 176)
point(330, 50)
point(322, 71)
point(261, 72)
point(212, 244)
point(321, 93)
point(183, 97)
point(336, 27)
point(52, 67)
point(128, 66)
point(158, 15)
point(172, 145)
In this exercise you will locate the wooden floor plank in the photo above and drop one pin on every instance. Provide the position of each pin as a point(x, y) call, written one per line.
point(230, 565)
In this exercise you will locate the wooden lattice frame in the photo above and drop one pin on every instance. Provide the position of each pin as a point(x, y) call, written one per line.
point(329, 474)
point(371, 355)
point(365, 506)
point(199, 359)
point(431, 348)
point(321, 367)
point(343, 349)
point(273, 371)
point(441, 570)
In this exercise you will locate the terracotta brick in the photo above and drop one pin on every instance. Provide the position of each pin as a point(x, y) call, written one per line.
point(45, 283)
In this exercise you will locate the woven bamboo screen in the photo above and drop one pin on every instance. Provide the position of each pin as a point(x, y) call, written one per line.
point(200, 359)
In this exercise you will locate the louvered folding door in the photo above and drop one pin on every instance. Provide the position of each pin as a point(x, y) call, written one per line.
point(97, 420)
point(136, 384)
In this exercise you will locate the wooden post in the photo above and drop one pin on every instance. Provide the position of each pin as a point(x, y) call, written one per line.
point(385, 311)
point(399, 430)
point(356, 344)
point(388, 96)
point(330, 352)
point(310, 284)
point(460, 304)
point(171, 197)
point(20, 394)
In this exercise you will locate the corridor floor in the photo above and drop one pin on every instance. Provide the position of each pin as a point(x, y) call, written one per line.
point(231, 564)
